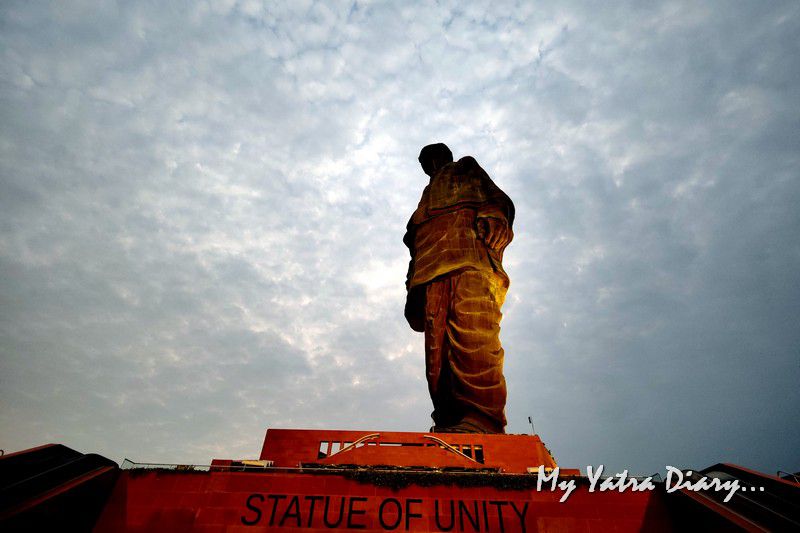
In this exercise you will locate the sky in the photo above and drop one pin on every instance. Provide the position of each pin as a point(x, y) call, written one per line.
point(202, 207)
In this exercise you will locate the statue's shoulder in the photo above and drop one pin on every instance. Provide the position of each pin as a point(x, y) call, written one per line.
point(467, 163)
point(468, 167)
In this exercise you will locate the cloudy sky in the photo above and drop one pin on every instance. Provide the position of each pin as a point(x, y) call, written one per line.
point(202, 207)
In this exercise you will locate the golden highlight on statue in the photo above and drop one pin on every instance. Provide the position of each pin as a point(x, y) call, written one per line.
point(456, 286)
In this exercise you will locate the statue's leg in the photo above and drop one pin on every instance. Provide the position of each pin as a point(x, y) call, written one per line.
point(446, 411)
point(475, 355)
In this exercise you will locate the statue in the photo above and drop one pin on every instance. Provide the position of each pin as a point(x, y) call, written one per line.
point(456, 285)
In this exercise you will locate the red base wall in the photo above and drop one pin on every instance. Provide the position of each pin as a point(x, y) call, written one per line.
point(167, 501)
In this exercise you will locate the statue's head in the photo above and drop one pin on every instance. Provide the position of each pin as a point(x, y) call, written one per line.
point(434, 156)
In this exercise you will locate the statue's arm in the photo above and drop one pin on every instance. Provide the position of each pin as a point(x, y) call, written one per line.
point(415, 296)
point(495, 217)
point(408, 240)
point(410, 235)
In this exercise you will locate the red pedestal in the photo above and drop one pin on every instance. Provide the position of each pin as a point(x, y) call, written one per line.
point(319, 480)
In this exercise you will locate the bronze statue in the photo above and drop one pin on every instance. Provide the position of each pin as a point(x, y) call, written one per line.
point(456, 285)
